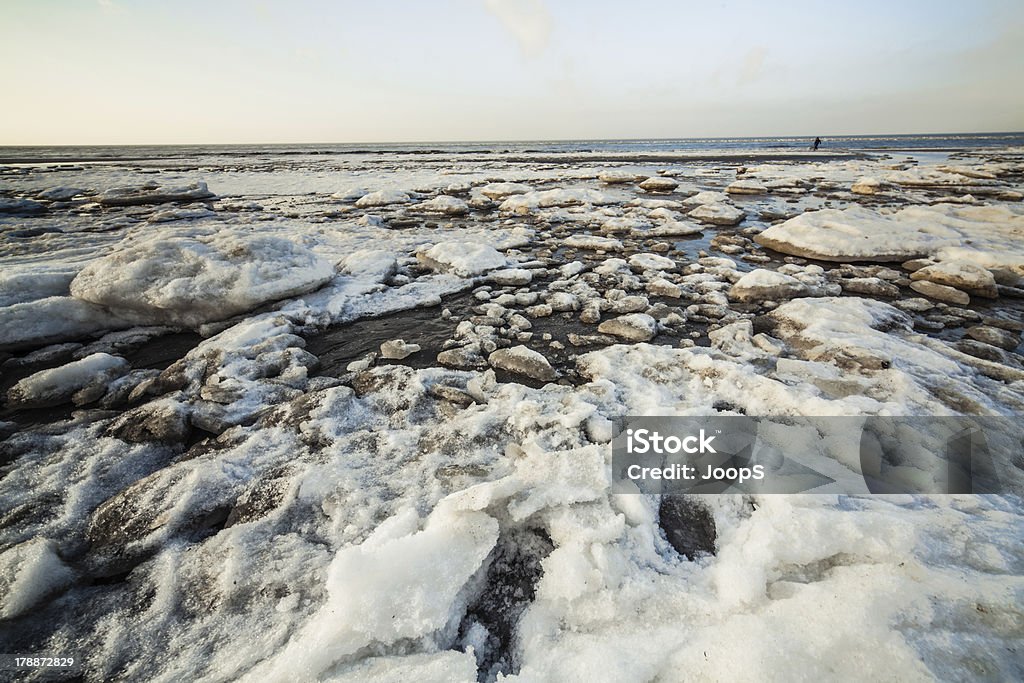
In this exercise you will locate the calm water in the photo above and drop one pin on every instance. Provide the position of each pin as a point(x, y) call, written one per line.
point(781, 144)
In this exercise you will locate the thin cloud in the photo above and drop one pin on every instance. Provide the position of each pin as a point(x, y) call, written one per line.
point(528, 21)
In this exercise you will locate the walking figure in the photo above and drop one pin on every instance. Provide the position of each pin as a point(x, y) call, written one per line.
point(817, 143)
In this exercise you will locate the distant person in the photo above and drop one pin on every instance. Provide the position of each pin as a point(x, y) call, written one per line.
point(817, 144)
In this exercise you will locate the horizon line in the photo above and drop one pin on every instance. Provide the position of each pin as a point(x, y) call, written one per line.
point(521, 140)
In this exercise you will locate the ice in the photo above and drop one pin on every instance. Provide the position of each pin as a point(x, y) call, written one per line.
point(250, 514)
point(866, 185)
point(498, 191)
point(192, 280)
point(651, 262)
point(28, 285)
point(960, 274)
point(511, 277)
point(618, 177)
point(21, 206)
point(452, 206)
point(56, 318)
point(464, 259)
point(748, 186)
point(57, 385)
point(406, 587)
point(634, 327)
point(60, 193)
point(28, 573)
point(717, 213)
point(593, 242)
point(383, 198)
point(659, 184)
point(523, 361)
point(397, 349)
point(525, 203)
point(706, 197)
point(859, 234)
point(153, 193)
point(181, 214)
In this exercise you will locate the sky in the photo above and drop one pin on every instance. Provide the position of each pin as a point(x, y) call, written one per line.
point(230, 71)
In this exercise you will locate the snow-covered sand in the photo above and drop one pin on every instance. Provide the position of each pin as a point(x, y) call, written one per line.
point(436, 504)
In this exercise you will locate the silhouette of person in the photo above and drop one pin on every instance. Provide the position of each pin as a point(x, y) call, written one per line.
point(817, 143)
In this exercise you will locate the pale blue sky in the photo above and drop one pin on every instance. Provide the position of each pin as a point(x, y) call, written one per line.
point(126, 71)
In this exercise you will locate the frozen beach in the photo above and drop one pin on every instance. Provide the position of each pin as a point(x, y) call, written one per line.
point(344, 413)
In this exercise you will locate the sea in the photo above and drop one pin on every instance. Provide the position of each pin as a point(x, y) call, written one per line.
point(780, 145)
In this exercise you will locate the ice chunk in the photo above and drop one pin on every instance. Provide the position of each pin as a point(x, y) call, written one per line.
point(21, 206)
point(465, 259)
point(706, 197)
point(857, 233)
point(659, 184)
point(193, 280)
point(717, 214)
point(403, 588)
point(511, 277)
point(530, 201)
point(523, 361)
point(501, 190)
point(397, 349)
point(651, 262)
point(55, 318)
point(452, 206)
point(765, 285)
point(154, 194)
point(866, 185)
point(960, 274)
point(618, 177)
point(29, 572)
point(383, 198)
point(632, 327)
point(58, 385)
point(593, 242)
point(746, 187)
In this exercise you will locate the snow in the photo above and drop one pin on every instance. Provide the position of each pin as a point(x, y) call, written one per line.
point(192, 280)
point(464, 259)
